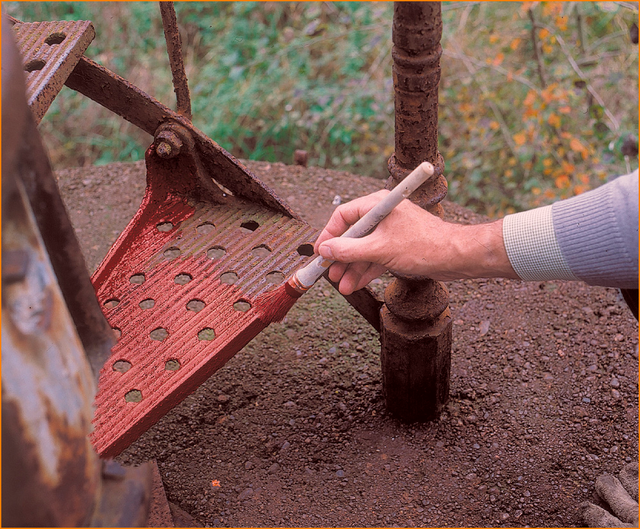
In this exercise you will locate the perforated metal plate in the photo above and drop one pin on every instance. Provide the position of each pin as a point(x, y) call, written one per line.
point(178, 287)
point(50, 52)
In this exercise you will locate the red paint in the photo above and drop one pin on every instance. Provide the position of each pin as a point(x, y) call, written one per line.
point(140, 250)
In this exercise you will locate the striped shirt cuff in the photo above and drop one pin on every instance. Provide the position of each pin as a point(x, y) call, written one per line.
point(532, 246)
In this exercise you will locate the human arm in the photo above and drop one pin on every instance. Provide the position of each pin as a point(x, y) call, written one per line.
point(591, 237)
point(411, 242)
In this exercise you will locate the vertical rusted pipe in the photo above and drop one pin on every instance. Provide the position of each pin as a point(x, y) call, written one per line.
point(174, 49)
point(416, 321)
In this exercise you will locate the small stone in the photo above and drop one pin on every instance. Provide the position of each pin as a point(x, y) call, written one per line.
point(340, 473)
point(248, 465)
point(285, 445)
point(273, 468)
point(615, 393)
point(289, 405)
point(332, 350)
point(586, 400)
point(245, 494)
point(223, 398)
point(615, 383)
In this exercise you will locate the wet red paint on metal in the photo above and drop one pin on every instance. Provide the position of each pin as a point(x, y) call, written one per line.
point(143, 250)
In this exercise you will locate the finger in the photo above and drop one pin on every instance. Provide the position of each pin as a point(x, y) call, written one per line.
point(353, 277)
point(337, 270)
point(348, 250)
point(629, 479)
point(348, 214)
point(594, 516)
point(611, 490)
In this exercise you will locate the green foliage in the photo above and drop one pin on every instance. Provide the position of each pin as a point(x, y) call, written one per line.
point(269, 78)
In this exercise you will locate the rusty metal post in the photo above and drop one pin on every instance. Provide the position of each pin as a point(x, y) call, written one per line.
point(176, 61)
point(416, 321)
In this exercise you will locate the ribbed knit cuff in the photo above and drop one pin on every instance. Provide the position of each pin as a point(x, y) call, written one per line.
point(598, 233)
point(532, 247)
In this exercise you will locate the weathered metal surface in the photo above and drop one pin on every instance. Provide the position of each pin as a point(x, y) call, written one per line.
point(24, 155)
point(416, 322)
point(417, 29)
point(50, 52)
point(176, 61)
point(179, 286)
point(131, 103)
point(50, 472)
point(125, 496)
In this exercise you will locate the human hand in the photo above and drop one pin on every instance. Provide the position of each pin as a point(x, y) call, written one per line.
point(622, 497)
point(411, 242)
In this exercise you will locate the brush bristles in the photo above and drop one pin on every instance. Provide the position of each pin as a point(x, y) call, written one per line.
point(273, 306)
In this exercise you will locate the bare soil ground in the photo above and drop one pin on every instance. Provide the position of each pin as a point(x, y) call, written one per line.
point(544, 396)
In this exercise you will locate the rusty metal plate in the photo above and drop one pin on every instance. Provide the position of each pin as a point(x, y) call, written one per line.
point(50, 52)
point(178, 287)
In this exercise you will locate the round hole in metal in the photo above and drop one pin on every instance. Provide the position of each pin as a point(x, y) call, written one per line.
point(134, 395)
point(117, 333)
point(165, 226)
point(182, 279)
point(171, 253)
point(249, 226)
point(229, 278)
point(305, 249)
point(242, 305)
point(261, 251)
point(55, 38)
point(275, 277)
point(207, 334)
point(217, 252)
point(147, 304)
point(195, 305)
point(121, 366)
point(137, 279)
point(111, 303)
point(205, 228)
point(34, 65)
point(158, 334)
point(172, 365)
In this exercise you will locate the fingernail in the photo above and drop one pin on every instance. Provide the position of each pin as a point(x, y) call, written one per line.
point(326, 252)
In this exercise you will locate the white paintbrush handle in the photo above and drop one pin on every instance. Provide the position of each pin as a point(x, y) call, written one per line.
point(308, 275)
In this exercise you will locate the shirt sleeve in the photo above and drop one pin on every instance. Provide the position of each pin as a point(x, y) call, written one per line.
point(592, 237)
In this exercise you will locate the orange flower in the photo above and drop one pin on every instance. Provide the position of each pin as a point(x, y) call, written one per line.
point(519, 138)
point(554, 120)
point(563, 182)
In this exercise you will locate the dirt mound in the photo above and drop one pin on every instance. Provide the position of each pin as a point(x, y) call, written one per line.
point(293, 430)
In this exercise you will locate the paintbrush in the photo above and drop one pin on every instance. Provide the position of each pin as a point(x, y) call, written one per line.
point(273, 306)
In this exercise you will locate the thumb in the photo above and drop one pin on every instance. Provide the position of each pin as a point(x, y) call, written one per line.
point(347, 250)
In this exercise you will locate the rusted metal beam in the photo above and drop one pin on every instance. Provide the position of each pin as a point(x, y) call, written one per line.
point(176, 61)
point(129, 102)
point(416, 321)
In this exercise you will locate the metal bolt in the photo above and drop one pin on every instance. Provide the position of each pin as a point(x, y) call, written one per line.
point(168, 144)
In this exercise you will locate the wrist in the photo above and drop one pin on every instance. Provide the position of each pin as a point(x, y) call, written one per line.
point(480, 251)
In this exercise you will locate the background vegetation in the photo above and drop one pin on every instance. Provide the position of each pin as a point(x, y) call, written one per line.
point(536, 98)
